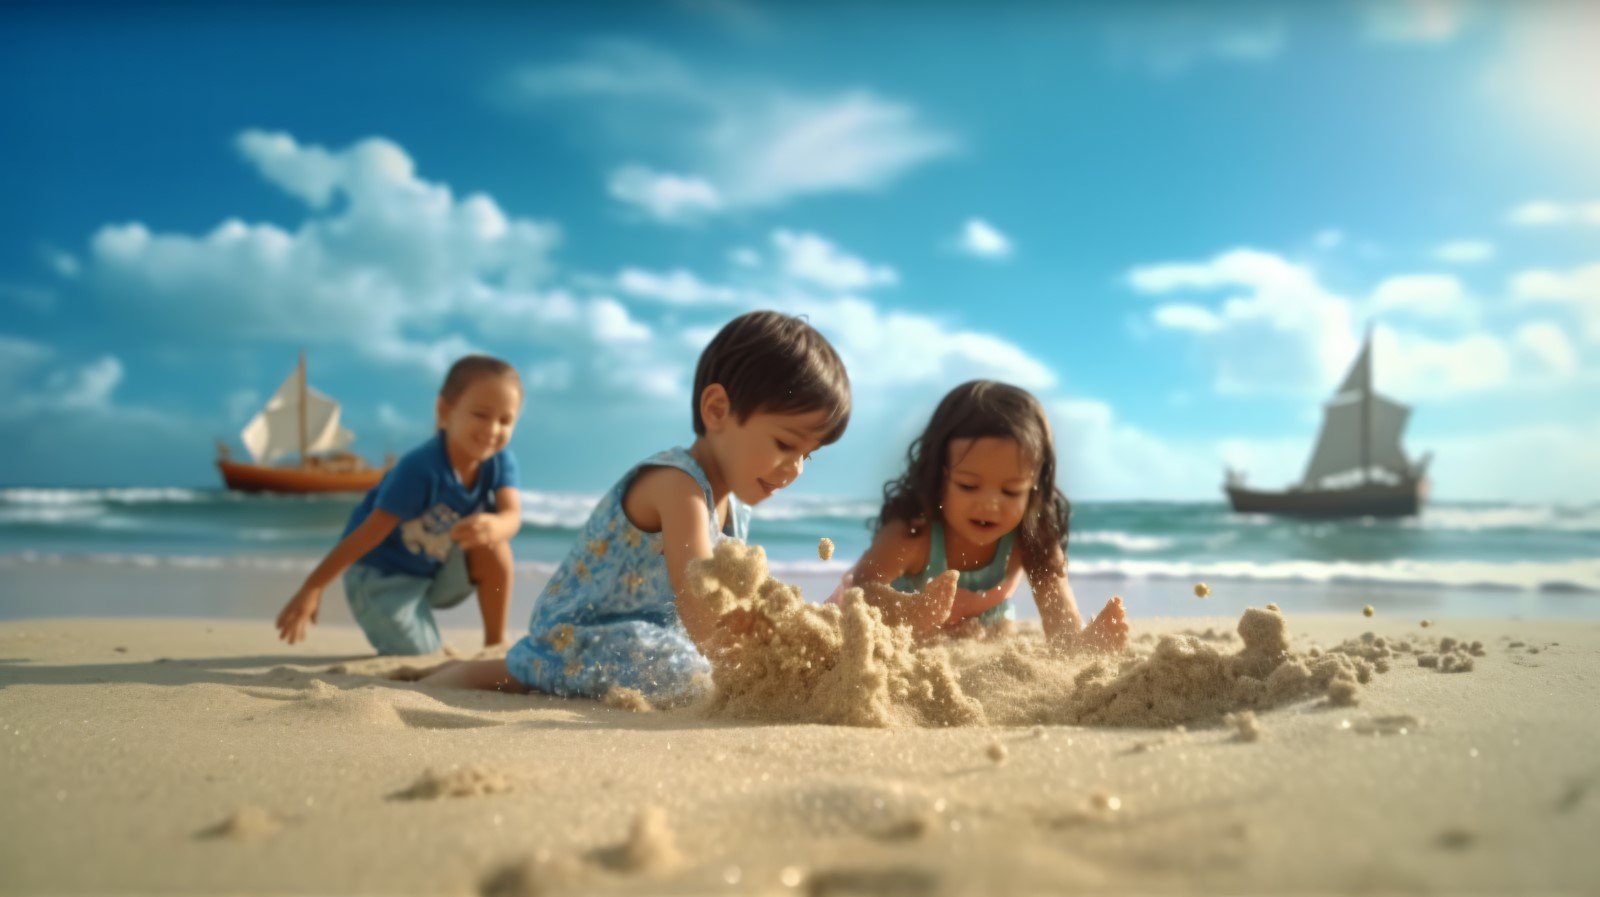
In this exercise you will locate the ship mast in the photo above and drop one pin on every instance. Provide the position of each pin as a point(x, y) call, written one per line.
point(1367, 408)
point(302, 407)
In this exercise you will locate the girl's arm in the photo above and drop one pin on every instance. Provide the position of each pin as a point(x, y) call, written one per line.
point(301, 611)
point(970, 604)
point(479, 530)
point(1058, 610)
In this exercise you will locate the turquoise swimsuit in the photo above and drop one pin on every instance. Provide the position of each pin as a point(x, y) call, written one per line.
point(985, 577)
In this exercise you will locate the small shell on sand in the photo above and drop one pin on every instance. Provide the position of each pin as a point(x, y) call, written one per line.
point(247, 823)
point(825, 548)
point(1201, 590)
point(1105, 801)
point(996, 752)
point(1367, 611)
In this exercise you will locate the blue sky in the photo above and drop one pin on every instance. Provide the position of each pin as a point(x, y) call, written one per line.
point(1169, 221)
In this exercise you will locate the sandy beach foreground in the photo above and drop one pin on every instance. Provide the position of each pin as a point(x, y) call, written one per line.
point(200, 756)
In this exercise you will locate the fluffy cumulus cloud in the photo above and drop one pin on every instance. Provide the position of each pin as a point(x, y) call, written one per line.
point(983, 240)
point(1424, 295)
point(1103, 456)
point(1265, 324)
point(1464, 252)
point(402, 269)
point(1545, 213)
point(1276, 328)
point(676, 287)
point(732, 143)
point(1577, 291)
point(812, 259)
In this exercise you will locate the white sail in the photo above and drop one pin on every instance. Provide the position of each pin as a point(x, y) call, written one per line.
point(1339, 448)
point(275, 431)
point(1361, 430)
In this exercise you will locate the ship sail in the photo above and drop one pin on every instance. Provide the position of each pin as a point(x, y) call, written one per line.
point(275, 431)
point(1361, 431)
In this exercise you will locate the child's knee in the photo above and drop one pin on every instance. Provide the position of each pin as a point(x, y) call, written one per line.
point(489, 561)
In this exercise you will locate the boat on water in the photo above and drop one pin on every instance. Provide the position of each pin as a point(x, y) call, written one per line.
point(302, 423)
point(1358, 468)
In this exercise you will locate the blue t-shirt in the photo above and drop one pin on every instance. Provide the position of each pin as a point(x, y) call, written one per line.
point(424, 491)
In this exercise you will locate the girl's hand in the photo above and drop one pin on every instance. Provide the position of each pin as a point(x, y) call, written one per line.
point(746, 622)
point(475, 531)
point(298, 615)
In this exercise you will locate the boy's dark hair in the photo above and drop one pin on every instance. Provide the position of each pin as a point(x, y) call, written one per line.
point(777, 363)
point(469, 369)
point(973, 410)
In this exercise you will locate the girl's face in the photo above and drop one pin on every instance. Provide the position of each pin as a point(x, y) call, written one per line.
point(987, 484)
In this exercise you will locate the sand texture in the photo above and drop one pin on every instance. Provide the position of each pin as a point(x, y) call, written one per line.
point(1276, 754)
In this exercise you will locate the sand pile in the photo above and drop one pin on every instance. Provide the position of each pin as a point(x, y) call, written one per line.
point(841, 664)
point(457, 781)
point(835, 663)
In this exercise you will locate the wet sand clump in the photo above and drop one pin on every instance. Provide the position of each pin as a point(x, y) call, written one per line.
point(840, 664)
point(458, 781)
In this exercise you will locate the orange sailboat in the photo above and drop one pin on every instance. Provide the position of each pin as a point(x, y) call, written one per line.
point(298, 419)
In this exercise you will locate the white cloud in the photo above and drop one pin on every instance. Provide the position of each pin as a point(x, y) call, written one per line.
point(1552, 462)
point(63, 263)
point(1577, 290)
point(18, 357)
point(889, 347)
point(1177, 40)
point(1412, 367)
point(743, 143)
point(87, 388)
point(676, 287)
point(1545, 74)
point(311, 172)
point(1328, 238)
point(1544, 213)
point(667, 198)
point(1424, 295)
point(1104, 457)
point(981, 239)
point(1277, 330)
point(1464, 252)
point(744, 257)
point(811, 258)
point(1547, 346)
point(1416, 21)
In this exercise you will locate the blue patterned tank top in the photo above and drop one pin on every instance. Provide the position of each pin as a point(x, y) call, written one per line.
point(618, 571)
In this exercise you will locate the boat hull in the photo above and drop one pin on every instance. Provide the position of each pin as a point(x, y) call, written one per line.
point(1403, 500)
point(297, 480)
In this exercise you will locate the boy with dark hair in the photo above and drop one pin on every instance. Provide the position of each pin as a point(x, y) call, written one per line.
point(619, 612)
point(436, 528)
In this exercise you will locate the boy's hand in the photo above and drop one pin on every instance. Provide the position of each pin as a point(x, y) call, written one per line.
point(298, 615)
point(475, 531)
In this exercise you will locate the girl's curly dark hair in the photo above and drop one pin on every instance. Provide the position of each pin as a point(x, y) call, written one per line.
point(973, 410)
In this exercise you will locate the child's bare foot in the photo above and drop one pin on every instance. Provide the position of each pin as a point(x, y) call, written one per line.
point(925, 611)
point(1109, 629)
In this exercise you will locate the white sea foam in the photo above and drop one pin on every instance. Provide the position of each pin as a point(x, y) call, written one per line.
point(58, 497)
point(1124, 541)
point(1568, 576)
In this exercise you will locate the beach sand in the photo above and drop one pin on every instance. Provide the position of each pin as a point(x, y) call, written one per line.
point(188, 755)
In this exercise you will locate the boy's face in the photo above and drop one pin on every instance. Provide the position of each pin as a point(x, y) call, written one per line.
point(479, 423)
point(765, 452)
point(986, 488)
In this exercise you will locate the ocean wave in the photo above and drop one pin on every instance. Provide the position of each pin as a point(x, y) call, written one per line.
point(1122, 540)
point(123, 496)
point(1508, 517)
point(1562, 576)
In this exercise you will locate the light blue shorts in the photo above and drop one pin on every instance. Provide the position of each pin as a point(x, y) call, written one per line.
point(395, 610)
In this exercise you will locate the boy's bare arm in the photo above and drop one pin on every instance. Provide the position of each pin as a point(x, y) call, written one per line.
point(478, 530)
point(301, 611)
point(685, 537)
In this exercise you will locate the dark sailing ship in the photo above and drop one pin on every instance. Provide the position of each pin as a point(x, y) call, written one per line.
point(1358, 469)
